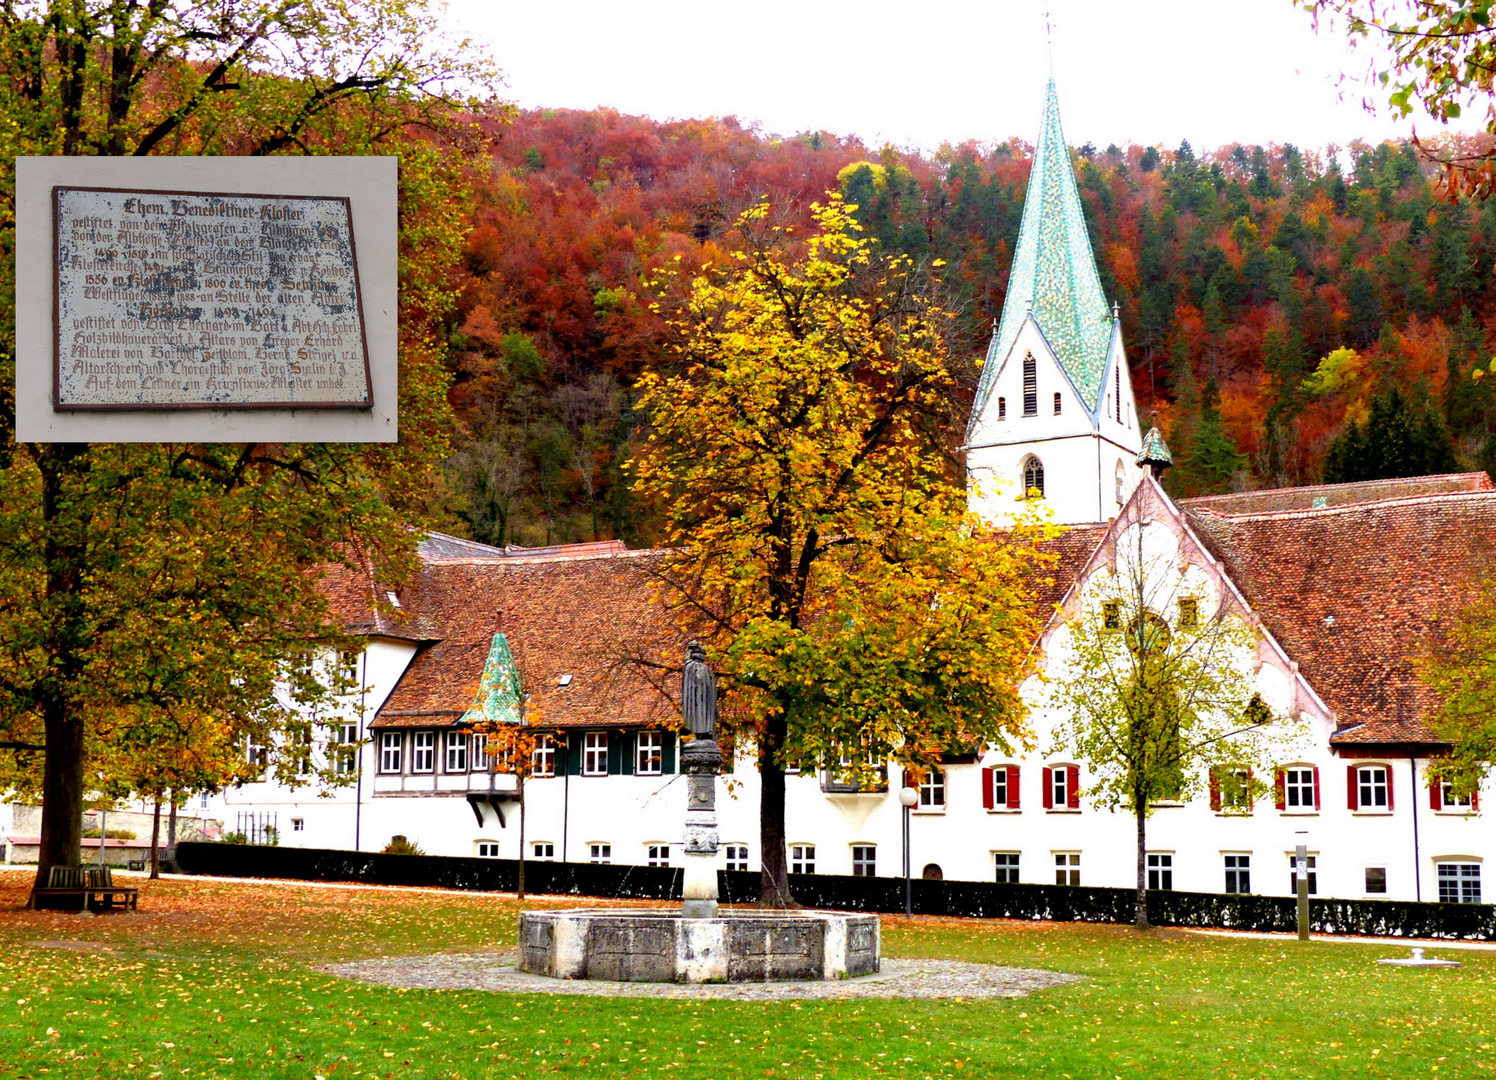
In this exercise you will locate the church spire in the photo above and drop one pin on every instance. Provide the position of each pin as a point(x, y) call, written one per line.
point(1054, 274)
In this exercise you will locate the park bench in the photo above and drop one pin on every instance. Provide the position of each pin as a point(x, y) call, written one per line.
point(66, 890)
point(103, 892)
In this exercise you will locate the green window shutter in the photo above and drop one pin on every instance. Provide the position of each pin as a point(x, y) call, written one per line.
point(615, 753)
point(667, 753)
point(573, 753)
point(626, 755)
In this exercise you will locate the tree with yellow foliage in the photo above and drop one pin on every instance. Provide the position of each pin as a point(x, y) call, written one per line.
point(800, 453)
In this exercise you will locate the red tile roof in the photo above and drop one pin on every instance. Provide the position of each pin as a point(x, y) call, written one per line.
point(1332, 495)
point(1354, 593)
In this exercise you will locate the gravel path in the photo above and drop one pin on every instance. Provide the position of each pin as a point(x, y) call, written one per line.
point(898, 979)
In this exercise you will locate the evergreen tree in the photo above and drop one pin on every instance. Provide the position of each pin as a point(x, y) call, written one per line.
point(1365, 308)
point(1398, 439)
point(1213, 461)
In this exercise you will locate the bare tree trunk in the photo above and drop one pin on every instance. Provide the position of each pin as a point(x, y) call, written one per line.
point(156, 841)
point(775, 871)
point(62, 769)
point(1142, 911)
point(171, 833)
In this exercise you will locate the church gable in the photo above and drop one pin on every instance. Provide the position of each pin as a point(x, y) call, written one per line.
point(1031, 396)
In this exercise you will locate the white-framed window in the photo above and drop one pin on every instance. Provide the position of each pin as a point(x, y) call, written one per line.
point(478, 754)
point(1298, 788)
point(457, 751)
point(1236, 792)
point(864, 860)
point(1067, 868)
point(423, 752)
point(1238, 873)
point(1005, 866)
point(932, 790)
point(1121, 492)
point(1161, 870)
point(345, 750)
point(600, 853)
point(1189, 612)
point(1033, 477)
point(488, 849)
point(543, 851)
point(543, 757)
point(595, 753)
point(1313, 874)
point(298, 824)
point(802, 858)
point(1448, 800)
point(1372, 783)
point(1059, 787)
point(299, 744)
point(737, 856)
point(1459, 883)
point(649, 753)
point(1376, 880)
point(390, 745)
point(1000, 800)
point(656, 855)
point(255, 752)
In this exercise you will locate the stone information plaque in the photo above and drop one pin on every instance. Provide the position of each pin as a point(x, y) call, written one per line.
point(183, 300)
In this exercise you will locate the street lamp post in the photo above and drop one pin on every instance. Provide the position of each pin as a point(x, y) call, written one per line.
point(1301, 883)
point(908, 797)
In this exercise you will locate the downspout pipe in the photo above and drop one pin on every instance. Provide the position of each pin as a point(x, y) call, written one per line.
point(1417, 859)
point(358, 751)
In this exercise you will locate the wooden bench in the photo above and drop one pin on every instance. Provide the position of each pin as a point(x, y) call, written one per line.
point(66, 890)
point(103, 892)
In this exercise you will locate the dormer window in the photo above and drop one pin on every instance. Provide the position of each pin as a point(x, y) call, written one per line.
point(1002, 408)
point(1030, 386)
point(1057, 404)
point(1033, 477)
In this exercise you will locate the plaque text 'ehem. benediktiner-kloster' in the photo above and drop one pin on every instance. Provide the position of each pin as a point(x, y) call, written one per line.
point(181, 300)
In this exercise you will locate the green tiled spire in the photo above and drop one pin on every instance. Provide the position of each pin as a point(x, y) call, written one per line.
point(1155, 451)
point(1054, 272)
point(498, 698)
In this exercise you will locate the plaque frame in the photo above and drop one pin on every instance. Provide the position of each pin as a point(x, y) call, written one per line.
point(366, 404)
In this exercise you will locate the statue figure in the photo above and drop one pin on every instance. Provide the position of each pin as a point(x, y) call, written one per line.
point(699, 694)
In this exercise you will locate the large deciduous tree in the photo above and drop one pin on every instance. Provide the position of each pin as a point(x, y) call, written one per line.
point(152, 586)
point(1151, 686)
point(800, 459)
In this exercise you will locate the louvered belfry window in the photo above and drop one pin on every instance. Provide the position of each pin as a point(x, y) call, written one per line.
point(1030, 386)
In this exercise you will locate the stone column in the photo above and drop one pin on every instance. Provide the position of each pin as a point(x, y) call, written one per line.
point(701, 761)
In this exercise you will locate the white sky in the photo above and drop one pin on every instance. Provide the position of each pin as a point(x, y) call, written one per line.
point(921, 72)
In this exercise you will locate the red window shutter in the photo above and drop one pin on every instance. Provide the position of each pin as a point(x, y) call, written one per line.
point(1389, 789)
point(1475, 800)
point(909, 780)
point(1215, 790)
point(1072, 787)
point(1012, 787)
point(1352, 790)
point(1280, 792)
point(986, 789)
point(1316, 787)
point(1048, 788)
point(1435, 794)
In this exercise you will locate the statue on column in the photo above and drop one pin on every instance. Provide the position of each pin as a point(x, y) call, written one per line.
point(701, 761)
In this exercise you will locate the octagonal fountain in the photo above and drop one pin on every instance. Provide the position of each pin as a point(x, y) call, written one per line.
point(698, 943)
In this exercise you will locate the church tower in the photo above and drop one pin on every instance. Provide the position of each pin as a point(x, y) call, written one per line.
point(1054, 412)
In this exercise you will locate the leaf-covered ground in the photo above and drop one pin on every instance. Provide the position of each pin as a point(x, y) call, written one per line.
point(218, 980)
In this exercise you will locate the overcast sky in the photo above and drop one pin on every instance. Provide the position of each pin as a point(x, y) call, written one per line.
point(922, 72)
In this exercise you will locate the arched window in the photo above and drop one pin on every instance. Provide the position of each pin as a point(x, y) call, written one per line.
point(1057, 403)
point(1033, 476)
point(1121, 483)
point(1002, 408)
point(1030, 386)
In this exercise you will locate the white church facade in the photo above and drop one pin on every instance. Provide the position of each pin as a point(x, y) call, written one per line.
point(1338, 586)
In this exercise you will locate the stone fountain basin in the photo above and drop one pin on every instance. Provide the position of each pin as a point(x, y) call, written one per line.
point(647, 945)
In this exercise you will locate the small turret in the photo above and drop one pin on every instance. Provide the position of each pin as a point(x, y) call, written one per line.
point(1155, 455)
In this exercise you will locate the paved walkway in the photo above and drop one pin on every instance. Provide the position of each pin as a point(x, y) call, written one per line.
point(898, 979)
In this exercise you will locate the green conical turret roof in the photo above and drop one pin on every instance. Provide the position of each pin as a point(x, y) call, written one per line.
point(1054, 272)
point(1155, 451)
point(498, 699)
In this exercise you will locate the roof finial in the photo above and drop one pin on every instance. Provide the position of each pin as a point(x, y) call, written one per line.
point(1049, 41)
point(1116, 310)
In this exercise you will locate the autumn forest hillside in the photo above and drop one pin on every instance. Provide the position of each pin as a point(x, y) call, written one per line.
point(1272, 297)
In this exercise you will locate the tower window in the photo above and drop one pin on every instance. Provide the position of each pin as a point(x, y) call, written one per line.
point(1121, 483)
point(1030, 386)
point(1117, 396)
point(1033, 477)
point(1002, 408)
point(1057, 404)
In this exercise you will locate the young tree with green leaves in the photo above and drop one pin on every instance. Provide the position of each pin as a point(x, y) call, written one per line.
point(1151, 686)
point(156, 581)
point(820, 548)
point(1461, 670)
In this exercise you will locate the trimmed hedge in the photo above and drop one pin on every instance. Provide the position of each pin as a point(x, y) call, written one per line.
point(964, 899)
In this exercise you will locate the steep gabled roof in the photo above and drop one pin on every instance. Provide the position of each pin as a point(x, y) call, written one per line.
point(1356, 592)
point(1054, 273)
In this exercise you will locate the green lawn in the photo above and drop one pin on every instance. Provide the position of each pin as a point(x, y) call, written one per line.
point(217, 980)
